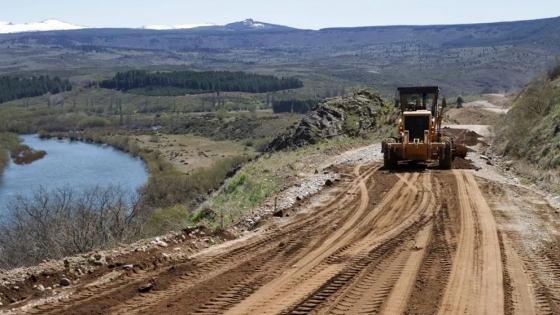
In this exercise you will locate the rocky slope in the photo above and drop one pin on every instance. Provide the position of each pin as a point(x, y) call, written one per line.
point(349, 116)
point(530, 132)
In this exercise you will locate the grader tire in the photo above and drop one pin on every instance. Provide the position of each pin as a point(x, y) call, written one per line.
point(446, 156)
point(390, 161)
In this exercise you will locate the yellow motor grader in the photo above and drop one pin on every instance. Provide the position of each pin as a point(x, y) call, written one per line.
point(420, 138)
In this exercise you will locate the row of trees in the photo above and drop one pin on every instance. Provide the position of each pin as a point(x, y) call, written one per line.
point(193, 82)
point(13, 88)
point(294, 106)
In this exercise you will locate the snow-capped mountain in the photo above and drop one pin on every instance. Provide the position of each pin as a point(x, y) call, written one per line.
point(246, 25)
point(48, 25)
point(56, 25)
point(175, 27)
point(252, 24)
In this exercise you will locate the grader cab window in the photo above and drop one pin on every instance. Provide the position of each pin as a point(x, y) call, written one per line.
point(418, 98)
point(422, 101)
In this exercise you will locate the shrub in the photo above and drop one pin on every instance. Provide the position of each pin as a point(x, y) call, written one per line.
point(221, 114)
point(173, 218)
point(93, 122)
point(261, 144)
point(168, 188)
point(63, 222)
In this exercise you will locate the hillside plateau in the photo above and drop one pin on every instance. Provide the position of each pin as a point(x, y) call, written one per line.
point(493, 57)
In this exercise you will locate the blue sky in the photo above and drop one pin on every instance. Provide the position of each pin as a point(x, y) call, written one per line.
point(297, 13)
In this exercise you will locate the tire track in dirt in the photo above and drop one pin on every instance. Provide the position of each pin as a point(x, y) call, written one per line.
point(369, 290)
point(396, 302)
point(224, 301)
point(544, 271)
point(531, 279)
point(377, 234)
point(535, 279)
point(476, 281)
point(435, 270)
point(314, 271)
point(207, 267)
point(360, 272)
point(508, 289)
point(416, 250)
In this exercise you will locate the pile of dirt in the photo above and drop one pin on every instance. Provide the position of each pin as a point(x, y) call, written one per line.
point(463, 164)
point(469, 116)
point(463, 136)
point(339, 117)
point(55, 276)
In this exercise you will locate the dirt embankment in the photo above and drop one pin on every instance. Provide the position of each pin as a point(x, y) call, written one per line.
point(463, 136)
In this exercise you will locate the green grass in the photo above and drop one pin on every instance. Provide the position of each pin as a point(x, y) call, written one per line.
point(530, 133)
point(259, 180)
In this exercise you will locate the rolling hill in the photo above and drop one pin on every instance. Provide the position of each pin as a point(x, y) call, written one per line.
point(462, 58)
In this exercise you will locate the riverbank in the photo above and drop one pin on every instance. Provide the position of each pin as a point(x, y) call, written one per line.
point(167, 187)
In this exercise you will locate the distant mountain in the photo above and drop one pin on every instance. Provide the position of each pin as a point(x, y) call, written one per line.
point(464, 58)
point(247, 25)
point(48, 25)
point(175, 27)
point(56, 25)
point(250, 24)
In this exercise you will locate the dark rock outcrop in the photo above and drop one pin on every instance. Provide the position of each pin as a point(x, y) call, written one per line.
point(339, 117)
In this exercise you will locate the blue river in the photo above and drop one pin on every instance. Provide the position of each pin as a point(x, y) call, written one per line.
point(75, 164)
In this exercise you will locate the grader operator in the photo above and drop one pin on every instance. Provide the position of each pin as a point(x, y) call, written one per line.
point(419, 138)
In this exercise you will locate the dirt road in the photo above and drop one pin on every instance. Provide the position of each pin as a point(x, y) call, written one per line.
point(411, 242)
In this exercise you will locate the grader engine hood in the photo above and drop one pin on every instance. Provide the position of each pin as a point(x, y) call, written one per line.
point(416, 123)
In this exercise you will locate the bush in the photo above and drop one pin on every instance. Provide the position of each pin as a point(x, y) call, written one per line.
point(168, 188)
point(173, 218)
point(63, 222)
point(261, 144)
point(93, 122)
point(221, 114)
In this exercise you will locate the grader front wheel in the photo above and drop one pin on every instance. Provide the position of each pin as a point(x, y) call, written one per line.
point(389, 160)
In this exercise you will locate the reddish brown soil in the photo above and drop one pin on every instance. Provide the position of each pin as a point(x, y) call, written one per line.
point(460, 163)
point(462, 136)
point(417, 241)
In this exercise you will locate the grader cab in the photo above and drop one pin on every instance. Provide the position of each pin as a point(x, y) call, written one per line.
point(419, 138)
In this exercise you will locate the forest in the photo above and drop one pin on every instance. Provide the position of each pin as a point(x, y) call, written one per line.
point(13, 88)
point(294, 106)
point(179, 83)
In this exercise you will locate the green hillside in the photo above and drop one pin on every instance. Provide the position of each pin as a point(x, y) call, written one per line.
point(530, 132)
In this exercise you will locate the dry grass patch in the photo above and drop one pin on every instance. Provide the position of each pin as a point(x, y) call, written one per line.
point(190, 152)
